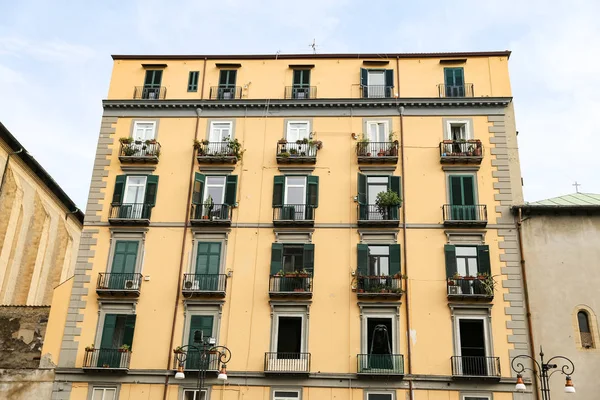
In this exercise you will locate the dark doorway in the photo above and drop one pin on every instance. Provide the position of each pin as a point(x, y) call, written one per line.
point(289, 337)
point(379, 342)
point(472, 347)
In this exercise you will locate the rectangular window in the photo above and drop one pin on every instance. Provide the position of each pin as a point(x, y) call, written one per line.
point(215, 189)
point(286, 395)
point(454, 81)
point(301, 86)
point(380, 396)
point(297, 130)
point(208, 266)
point(192, 394)
point(227, 77)
point(134, 195)
point(377, 131)
point(463, 197)
point(117, 331)
point(376, 83)
point(379, 260)
point(193, 81)
point(104, 393)
point(472, 346)
point(123, 268)
point(289, 336)
point(152, 83)
point(143, 130)
point(368, 189)
point(293, 257)
point(219, 131)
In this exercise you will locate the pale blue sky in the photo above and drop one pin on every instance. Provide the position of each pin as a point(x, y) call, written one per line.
point(55, 64)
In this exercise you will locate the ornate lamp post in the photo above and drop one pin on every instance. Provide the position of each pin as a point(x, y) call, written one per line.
point(541, 372)
point(203, 348)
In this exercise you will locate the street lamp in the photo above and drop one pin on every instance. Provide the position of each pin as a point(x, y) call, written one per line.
point(205, 348)
point(541, 372)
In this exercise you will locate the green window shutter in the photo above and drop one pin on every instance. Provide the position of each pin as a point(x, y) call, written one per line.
point(151, 190)
point(202, 323)
point(198, 188)
point(231, 190)
point(449, 76)
point(128, 330)
point(153, 78)
point(483, 259)
point(108, 331)
point(456, 198)
point(362, 262)
point(276, 258)
point(450, 253)
point(462, 190)
point(312, 194)
point(389, 82)
point(119, 189)
point(309, 258)
point(193, 81)
point(208, 258)
point(364, 81)
point(396, 185)
point(125, 256)
point(362, 189)
point(468, 183)
point(278, 190)
point(459, 79)
point(394, 259)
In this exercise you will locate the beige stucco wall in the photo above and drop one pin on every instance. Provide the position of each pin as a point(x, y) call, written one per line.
point(561, 260)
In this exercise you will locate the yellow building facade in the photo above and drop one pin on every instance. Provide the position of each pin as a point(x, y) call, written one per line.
point(341, 223)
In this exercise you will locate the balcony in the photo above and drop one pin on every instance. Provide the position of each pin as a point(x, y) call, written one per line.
point(376, 91)
point(287, 363)
point(301, 152)
point(465, 90)
point(475, 367)
point(211, 215)
point(130, 214)
point(116, 360)
point(373, 215)
point(194, 359)
point(377, 152)
point(139, 152)
point(380, 364)
point(461, 151)
point(471, 288)
point(217, 152)
point(149, 93)
point(300, 93)
point(119, 284)
point(379, 287)
point(225, 93)
point(213, 285)
point(291, 285)
point(469, 216)
point(294, 215)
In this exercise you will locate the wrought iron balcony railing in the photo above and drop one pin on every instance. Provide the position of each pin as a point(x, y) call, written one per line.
point(380, 364)
point(461, 151)
point(379, 286)
point(293, 284)
point(210, 214)
point(289, 152)
point(110, 359)
point(472, 215)
point(300, 92)
point(376, 91)
point(209, 284)
point(371, 214)
point(467, 288)
point(465, 90)
point(287, 363)
point(294, 214)
point(209, 361)
point(140, 151)
point(475, 366)
point(377, 152)
point(119, 283)
point(149, 93)
point(130, 213)
point(221, 152)
point(225, 92)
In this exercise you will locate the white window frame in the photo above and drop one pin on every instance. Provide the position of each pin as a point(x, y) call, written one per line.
point(124, 237)
point(371, 87)
point(195, 390)
point(486, 333)
point(385, 123)
point(471, 396)
point(302, 332)
point(370, 392)
point(285, 189)
point(465, 123)
point(214, 129)
point(275, 397)
point(289, 130)
point(365, 335)
point(206, 185)
point(137, 125)
point(104, 389)
point(128, 185)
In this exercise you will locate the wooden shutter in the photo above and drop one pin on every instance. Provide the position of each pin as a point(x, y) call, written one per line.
point(208, 258)
point(468, 187)
point(309, 258)
point(202, 323)
point(483, 259)
point(276, 258)
point(125, 256)
point(198, 188)
point(362, 188)
point(449, 76)
point(459, 79)
point(450, 252)
point(389, 82)
point(456, 198)
point(151, 190)
point(394, 259)
point(312, 192)
point(231, 190)
point(128, 330)
point(364, 81)
point(108, 331)
point(278, 190)
point(396, 185)
point(362, 262)
point(119, 190)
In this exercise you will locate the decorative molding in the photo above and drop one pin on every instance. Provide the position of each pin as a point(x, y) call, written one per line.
point(202, 305)
point(378, 170)
point(296, 170)
point(460, 309)
point(464, 168)
point(138, 169)
point(220, 170)
point(380, 236)
point(286, 236)
point(465, 237)
point(378, 306)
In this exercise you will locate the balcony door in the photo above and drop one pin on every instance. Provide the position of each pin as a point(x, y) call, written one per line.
point(289, 337)
point(376, 83)
point(455, 82)
point(294, 199)
point(301, 86)
point(208, 263)
point(218, 135)
point(133, 199)
point(462, 198)
point(123, 266)
point(204, 324)
point(472, 346)
point(380, 343)
point(375, 185)
point(227, 79)
point(117, 331)
point(152, 84)
point(214, 197)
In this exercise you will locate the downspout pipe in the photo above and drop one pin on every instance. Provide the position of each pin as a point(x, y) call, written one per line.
point(182, 257)
point(526, 298)
point(6, 168)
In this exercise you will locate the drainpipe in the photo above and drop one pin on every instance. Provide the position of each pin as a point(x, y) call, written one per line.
point(182, 256)
point(526, 298)
point(203, 79)
point(6, 167)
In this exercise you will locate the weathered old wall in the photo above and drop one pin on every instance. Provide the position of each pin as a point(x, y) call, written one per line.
point(22, 331)
point(25, 384)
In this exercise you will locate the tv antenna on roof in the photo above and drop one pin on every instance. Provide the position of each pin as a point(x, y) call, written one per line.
point(314, 46)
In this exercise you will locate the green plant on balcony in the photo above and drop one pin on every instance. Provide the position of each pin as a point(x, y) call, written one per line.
point(197, 145)
point(90, 347)
point(235, 148)
point(125, 140)
point(363, 145)
point(315, 144)
point(293, 152)
point(487, 283)
point(284, 154)
point(129, 150)
point(385, 201)
point(124, 348)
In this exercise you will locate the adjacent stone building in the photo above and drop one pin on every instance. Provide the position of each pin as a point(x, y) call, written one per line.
point(561, 254)
point(39, 236)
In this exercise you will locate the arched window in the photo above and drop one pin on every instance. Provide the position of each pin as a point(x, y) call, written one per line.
point(587, 341)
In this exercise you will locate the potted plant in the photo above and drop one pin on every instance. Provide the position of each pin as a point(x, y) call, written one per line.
point(128, 150)
point(304, 141)
point(125, 140)
point(381, 153)
point(293, 152)
point(482, 275)
point(387, 203)
point(316, 144)
point(205, 142)
point(361, 290)
point(284, 154)
point(208, 205)
point(451, 282)
point(90, 347)
point(397, 291)
point(299, 141)
point(457, 276)
point(124, 348)
point(178, 350)
point(235, 148)
point(282, 141)
point(363, 146)
point(197, 145)
point(302, 273)
point(150, 141)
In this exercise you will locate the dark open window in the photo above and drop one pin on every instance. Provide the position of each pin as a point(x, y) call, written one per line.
point(301, 77)
point(585, 332)
point(472, 346)
point(117, 331)
point(193, 81)
point(293, 258)
point(227, 78)
point(454, 78)
point(289, 337)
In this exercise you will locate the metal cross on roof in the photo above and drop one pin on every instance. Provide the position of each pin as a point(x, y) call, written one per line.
point(577, 186)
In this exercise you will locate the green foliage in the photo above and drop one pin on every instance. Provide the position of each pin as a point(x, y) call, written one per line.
point(387, 199)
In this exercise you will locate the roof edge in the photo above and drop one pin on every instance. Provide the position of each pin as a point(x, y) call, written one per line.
point(555, 208)
point(40, 172)
point(505, 53)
